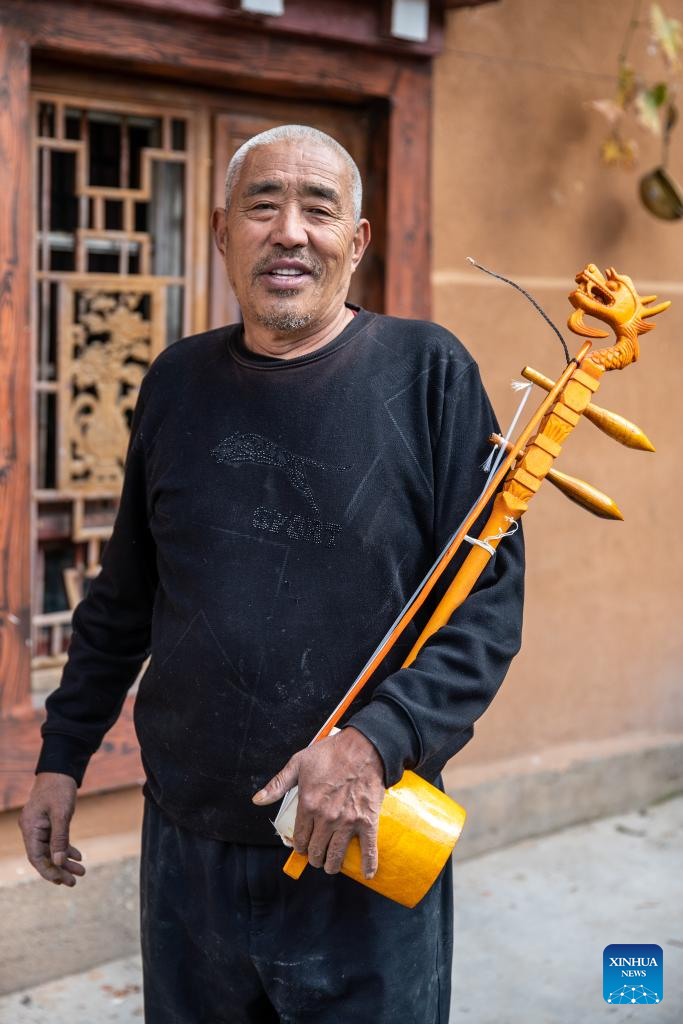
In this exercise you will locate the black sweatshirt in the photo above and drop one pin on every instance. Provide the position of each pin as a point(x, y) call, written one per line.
point(275, 517)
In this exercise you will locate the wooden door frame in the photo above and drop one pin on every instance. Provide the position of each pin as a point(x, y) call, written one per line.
point(231, 56)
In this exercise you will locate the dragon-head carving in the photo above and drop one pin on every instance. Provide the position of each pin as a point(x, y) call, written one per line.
point(613, 299)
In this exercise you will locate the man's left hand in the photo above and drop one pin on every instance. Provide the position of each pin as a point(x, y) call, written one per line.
point(341, 788)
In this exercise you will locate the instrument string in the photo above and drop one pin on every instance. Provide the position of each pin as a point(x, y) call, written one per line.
point(531, 299)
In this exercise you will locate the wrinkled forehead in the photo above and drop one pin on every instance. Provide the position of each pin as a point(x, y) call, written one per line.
point(298, 165)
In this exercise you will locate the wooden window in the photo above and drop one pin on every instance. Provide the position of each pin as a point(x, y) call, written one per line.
point(114, 238)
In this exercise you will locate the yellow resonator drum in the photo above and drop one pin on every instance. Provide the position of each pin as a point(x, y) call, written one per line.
point(418, 828)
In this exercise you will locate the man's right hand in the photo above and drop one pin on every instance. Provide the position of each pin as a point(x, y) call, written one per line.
point(44, 824)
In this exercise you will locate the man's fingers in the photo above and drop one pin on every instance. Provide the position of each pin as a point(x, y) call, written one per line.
point(368, 846)
point(74, 867)
point(44, 867)
point(52, 872)
point(318, 843)
point(40, 857)
point(336, 851)
point(279, 784)
point(37, 847)
point(60, 875)
point(303, 827)
point(59, 840)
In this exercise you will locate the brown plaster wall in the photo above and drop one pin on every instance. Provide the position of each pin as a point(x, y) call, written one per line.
point(518, 185)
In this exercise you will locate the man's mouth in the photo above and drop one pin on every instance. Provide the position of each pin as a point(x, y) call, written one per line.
point(286, 273)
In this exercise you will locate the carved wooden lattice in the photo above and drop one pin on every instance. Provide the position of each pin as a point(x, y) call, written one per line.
point(113, 249)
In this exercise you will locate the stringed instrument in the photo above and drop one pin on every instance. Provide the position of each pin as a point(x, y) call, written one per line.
point(418, 824)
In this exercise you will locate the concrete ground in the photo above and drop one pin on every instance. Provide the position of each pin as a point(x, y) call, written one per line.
point(531, 923)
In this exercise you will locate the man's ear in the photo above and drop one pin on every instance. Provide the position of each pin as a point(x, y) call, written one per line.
point(219, 224)
point(361, 241)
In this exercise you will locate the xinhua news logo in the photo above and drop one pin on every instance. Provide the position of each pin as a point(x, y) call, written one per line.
point(632, 973)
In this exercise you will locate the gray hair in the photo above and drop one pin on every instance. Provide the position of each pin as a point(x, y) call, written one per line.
point(295, 133)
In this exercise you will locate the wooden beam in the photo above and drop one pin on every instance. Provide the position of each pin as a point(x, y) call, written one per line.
point(357, 22)
point(15, 375)
point(223, 56)
point(408, 245)
point(466, 3)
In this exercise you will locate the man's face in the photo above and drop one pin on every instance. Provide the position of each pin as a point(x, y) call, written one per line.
point(289, 238)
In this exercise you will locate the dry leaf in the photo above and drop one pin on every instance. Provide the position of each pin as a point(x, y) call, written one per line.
point(616, 152)
point(668, 34)
point(648, 104)
point(610, 110)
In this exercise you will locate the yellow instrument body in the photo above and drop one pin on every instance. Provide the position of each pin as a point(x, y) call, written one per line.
point(418, 828)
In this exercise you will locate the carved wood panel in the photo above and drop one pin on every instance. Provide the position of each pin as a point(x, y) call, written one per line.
point(109, 336)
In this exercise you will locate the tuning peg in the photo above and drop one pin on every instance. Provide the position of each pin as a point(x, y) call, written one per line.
point(611, 423)
point(585, 495)
point(578, 491)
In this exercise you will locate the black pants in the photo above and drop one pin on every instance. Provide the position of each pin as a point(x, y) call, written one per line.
point(228, 938)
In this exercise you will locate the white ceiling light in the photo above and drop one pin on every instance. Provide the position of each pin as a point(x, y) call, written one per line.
point(275, 7)
point(410, 20)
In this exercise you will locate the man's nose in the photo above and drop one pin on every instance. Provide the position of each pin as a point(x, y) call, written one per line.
point(288, 228)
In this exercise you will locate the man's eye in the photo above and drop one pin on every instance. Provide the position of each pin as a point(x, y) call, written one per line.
point(264, 206)
point(319, 211)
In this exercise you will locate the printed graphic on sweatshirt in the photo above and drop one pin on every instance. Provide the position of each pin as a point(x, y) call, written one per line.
point(315, 531)
point(255, 450)
point(632, 973)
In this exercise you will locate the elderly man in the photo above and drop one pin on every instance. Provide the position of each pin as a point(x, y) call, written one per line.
point(289, 481)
